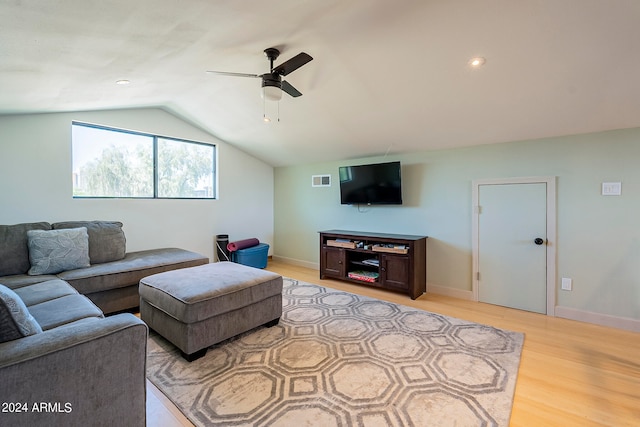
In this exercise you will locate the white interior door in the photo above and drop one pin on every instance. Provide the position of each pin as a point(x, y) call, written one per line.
point(511, 252)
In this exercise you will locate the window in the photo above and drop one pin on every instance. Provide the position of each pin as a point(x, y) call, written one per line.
point(117, 163)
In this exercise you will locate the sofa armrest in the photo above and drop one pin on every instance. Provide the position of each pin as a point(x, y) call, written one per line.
point(92, 372)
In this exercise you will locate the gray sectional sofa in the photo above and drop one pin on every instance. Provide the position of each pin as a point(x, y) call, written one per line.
point(62, 362)
point(110, 278)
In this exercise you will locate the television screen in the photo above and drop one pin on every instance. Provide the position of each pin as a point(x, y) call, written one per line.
point(374, 184)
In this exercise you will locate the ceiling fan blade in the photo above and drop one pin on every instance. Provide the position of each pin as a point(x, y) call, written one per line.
point(293, 64)
point(224, 73)
point(290, 89)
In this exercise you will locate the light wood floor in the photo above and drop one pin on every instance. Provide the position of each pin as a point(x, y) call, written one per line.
point(571, 373)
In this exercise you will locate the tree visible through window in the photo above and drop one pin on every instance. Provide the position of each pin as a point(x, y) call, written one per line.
point(115, 163)
point(184, 170)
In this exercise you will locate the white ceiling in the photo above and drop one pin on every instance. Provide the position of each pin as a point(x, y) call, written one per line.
point(386, 76)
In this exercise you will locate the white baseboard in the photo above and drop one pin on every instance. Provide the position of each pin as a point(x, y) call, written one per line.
point(297, 262)
point(625, 323)
point(449, 292)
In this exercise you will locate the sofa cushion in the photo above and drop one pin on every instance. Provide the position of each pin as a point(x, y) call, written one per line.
point(20, 280)
point(64, 310)
point(106, 239)
point(45, 291)
point(15, 319)
point(53, 251)
point(131, 269)
point(14, 251)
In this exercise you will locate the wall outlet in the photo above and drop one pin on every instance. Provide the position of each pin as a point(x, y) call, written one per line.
point(567, 284)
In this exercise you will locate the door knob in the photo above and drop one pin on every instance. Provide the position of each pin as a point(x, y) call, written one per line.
point(538, 241)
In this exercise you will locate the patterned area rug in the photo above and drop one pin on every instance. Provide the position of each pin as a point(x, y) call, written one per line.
point(339, 359)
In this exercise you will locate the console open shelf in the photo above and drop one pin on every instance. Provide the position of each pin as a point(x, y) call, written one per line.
point(391, 261)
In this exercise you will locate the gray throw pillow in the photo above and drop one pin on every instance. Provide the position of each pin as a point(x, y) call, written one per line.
point(53, 251)
point(15, 319)
point(106, 239)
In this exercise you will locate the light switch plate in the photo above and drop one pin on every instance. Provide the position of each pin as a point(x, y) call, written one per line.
point(611, 188)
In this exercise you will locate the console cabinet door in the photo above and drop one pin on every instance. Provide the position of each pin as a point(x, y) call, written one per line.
point(333, 261)
point(394, 271)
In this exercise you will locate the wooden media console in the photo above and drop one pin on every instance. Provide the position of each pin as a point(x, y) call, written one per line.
point(391, 261)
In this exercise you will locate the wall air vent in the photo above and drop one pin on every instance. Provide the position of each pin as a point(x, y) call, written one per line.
point(321, 181)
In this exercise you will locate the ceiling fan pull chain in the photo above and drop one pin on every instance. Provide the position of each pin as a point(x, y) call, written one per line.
point(264, 111)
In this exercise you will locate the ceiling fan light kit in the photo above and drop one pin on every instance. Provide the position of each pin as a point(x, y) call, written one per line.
point(271, 87)
point(272, 83)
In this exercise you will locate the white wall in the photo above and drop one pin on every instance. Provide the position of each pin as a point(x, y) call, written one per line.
point(36, 185)
point(598, 236)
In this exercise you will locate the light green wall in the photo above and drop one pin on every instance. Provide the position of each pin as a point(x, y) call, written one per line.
point(36, 185)
point(598, 236)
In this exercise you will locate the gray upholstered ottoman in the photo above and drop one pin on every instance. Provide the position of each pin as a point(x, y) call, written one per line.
point(197, 307)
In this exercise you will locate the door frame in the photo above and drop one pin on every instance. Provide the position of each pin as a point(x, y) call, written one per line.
point(551, 231)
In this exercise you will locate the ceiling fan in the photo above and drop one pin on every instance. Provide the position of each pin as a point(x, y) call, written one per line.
point(272, 83)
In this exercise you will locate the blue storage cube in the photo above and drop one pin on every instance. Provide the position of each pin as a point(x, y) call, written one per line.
point(255, 256)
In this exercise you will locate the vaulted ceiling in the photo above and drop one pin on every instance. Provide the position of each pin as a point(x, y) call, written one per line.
point(386, 76)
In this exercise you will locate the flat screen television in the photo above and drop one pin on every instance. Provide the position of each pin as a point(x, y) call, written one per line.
point(373, 184)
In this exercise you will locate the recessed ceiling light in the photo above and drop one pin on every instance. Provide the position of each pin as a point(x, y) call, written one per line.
point(476, 62)
point(122, 82)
